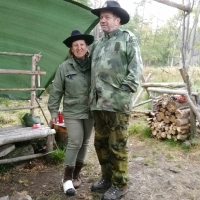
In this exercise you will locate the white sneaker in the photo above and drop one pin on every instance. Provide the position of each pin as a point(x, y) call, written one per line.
point(68, 188)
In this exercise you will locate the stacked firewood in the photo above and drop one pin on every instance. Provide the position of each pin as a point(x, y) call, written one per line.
point(170, 118)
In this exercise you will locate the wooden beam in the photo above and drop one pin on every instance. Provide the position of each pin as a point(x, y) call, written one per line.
point(18, 108)
point(168, 85)
point(175, 5)
point(20, 89)
point(15, 54)
point(141, 103)
point(21, 158)
point(10, 71)
point(142, 90)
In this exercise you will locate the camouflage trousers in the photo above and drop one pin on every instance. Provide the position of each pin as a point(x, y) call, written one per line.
point(111, 135)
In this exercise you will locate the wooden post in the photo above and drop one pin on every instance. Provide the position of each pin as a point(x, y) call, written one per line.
point(141, 91)
point(33, 83)
point(38, 77)
point(35, 59)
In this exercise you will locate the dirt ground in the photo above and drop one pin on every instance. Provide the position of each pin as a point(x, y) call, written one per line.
point(157, 172)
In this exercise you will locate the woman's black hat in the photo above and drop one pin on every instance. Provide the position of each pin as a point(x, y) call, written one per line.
point(115, 7)
point(77, 35)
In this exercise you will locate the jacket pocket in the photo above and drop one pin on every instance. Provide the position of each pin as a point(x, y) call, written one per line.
point(70, 74)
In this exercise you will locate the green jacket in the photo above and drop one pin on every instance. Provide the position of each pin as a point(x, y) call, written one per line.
point(73, 85)
point(116, 62)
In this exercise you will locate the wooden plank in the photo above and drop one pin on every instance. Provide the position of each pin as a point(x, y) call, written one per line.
point(24, 131)
point(6, 149)
point(24, 134)
point(21, 158)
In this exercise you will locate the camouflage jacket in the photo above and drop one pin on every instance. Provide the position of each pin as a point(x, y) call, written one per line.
point(116, 62)
point(73, 85)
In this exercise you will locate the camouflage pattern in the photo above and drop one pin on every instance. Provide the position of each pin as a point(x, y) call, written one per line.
point(111, 137)
point(116, 61)
point(71, 83)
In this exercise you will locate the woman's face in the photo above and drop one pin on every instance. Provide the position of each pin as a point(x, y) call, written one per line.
point(79, 48)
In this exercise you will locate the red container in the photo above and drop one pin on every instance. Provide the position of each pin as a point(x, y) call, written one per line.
point(60, 117)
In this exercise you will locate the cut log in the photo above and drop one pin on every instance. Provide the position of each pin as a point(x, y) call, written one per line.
point(159, 116)
point(183, 121)
point(162, 110)
point(173, 132)
point(158, 135)
point(182, 137)
point(181, 128)
point(169, 136)
point(154, 132)
point(166, 119)
point(174, 127)
point(167, 113)
point(172, 118)
point(164, 104)
point(163, 135)
point(166, 128)
point(184, 132)
point(171, 106)
point(182, 113)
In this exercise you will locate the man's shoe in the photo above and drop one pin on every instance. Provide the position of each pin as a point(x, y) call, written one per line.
point(114, 193)
point(101, 185)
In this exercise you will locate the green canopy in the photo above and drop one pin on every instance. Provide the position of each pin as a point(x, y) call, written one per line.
point(34, 26)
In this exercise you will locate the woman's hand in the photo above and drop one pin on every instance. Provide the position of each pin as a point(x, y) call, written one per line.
point(52, 121)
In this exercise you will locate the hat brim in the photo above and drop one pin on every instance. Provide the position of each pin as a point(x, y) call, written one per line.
point(120, 12)
point(89, 39)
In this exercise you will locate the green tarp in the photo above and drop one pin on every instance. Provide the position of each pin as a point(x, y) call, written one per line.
point(34, 26)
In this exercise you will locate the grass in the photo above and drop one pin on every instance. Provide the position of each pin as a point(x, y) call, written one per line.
point(58, 156)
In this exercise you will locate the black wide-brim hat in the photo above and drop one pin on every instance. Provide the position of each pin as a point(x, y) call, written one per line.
point(115, 7)
point(77, 35)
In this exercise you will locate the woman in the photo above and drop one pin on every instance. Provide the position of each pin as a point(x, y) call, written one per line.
point(72, 82)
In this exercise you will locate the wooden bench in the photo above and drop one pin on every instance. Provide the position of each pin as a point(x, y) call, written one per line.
point(13, 134)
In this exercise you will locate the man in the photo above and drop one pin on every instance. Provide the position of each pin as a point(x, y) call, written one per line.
point(116, 70)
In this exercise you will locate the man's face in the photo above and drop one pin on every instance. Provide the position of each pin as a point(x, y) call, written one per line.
point(108, 21)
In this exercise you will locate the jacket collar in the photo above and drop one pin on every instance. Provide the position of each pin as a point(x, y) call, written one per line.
point(112, 33)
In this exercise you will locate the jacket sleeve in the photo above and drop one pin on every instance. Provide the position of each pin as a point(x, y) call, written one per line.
point(134, 62)
point(56, 92)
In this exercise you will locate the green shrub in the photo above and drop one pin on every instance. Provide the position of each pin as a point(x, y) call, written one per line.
point(58, 156)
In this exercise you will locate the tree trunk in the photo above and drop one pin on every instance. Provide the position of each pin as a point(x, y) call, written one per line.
point(175, 5)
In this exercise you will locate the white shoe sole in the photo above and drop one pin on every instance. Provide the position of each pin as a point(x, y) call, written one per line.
point(68, 188)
